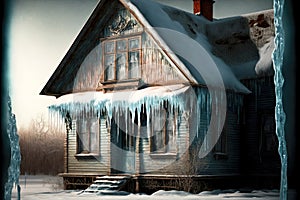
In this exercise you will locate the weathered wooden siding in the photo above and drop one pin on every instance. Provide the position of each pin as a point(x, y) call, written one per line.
point(230, 162)
point(63, 81)
point(188, 139)
point(89, 73)
point(261, 100)
point(157, 68)
point(83, 164)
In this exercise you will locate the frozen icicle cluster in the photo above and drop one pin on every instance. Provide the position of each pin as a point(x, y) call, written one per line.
point(15, 158)
point(88, 105)
point(202, 105)
point(279, 81)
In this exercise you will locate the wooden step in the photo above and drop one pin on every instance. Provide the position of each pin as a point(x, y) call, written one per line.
point(103, 184)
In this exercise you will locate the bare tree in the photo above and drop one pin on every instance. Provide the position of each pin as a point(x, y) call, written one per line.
point(42, 148)
point(188, 169)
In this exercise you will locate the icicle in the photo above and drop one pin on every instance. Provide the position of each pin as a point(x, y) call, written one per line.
point(15, 155)
point(117, 122)
point(174, 113)
point(126, 122)
point(148, 112)
point(277, 57)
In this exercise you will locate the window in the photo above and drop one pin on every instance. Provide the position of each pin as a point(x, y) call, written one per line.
point(220, 148)
point(163, 138)
point(221, 145)
point(268, 138)
point(88, 136)
point(121, 59)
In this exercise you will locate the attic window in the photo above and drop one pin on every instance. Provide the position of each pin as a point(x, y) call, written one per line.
point(122, 59)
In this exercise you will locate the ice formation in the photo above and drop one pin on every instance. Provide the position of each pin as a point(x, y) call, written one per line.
point(200, 103)
point(277, 57)
point(15, 158)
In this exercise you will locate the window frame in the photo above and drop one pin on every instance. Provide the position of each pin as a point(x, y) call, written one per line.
point(80, 150)
point(220, 149)
point(165, 150)
point(114, 54)
point(267, 137)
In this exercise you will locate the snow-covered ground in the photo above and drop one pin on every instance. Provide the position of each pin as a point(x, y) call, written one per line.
point(48, 187)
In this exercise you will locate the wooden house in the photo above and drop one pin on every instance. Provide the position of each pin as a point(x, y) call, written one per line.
point(156, 93)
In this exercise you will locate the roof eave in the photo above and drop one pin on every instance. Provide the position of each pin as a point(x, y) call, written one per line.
point(68, 56)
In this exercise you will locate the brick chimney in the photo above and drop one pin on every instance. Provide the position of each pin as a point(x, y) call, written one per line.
point(204, 7)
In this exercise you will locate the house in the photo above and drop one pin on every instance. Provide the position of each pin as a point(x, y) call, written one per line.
point(156, 93)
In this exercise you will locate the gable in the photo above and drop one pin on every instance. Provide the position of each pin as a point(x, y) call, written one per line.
point(121, 23)
point(62, 80)
point(83, 67)
point(180, 38)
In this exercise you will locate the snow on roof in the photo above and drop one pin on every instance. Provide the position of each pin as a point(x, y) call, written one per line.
point(130, 96)
point(184, 34)
point(77, 103)
point(229, 43)
point(264, 64)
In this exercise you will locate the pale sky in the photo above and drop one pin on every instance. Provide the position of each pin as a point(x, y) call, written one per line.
point(41, 32)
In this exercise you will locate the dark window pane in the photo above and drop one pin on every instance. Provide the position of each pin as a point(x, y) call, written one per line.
point(83, 136)
point(109, 67)
point(158, 142)
point(109, 47)
point(121, 66)
point(94, 136)
point(171, 143)
point(133, 68)
point(134, 43)
point(170, 137)
point(121, 45)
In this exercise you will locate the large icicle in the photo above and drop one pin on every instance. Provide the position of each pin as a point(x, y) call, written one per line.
point(15, 158)
point(277, 57)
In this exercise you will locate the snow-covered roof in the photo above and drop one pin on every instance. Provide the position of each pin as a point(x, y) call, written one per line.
point(243, 43)
point(183, 34)
point(129, 96)
point(214, 53)
point(178, 95)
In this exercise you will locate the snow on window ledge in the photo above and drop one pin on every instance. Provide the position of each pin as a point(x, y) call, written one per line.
point(220, 156)
point(163, 155)
point(87, 155)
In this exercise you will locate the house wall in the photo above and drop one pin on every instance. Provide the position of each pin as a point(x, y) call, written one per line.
point(149, 162)
point(98, 165)
point(260, 102)
point(157, 68)
point(228, 163)
point(64, 81)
